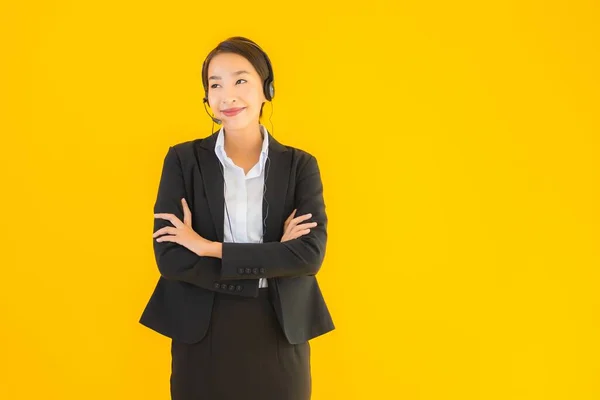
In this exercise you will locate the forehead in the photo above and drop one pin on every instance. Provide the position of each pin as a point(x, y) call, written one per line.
point(224, 65)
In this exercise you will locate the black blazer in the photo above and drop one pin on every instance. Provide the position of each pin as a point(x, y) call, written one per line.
point(180, 306)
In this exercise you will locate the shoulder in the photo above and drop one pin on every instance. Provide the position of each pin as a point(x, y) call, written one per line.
point(298, 152)
point(188, 146)
point(189, 149)
point(303, 162)
point(300, 156)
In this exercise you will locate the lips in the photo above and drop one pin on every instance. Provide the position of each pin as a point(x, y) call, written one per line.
point(233, 111)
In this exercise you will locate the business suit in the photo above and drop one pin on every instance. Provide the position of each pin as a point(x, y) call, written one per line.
point(180, 306)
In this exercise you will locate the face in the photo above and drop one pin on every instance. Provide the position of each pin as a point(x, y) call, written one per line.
point(234, 83)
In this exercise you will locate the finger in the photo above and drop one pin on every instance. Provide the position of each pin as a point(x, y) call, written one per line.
point(173, 239)
point(187, 214)
point(170, 217)
point(164, 231)
point(307, 225)
point(295, 230)
point(301, 218)
point(296, 235)
point(291, 216)
point(287, 221)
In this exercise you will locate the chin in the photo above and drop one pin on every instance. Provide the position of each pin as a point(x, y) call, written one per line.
point(237, 123)
point(232, 124)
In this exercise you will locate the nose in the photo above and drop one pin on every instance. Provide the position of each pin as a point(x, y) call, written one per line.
point(228, 97)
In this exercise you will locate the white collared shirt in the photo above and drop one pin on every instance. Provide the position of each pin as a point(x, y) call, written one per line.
point(243, 196)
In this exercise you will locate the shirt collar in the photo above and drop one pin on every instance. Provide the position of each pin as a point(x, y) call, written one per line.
point(220, 145)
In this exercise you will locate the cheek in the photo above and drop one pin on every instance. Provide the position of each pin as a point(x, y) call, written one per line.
point(252, 94)
point(212, 100)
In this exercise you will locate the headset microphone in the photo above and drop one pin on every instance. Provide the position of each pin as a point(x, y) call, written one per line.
point(216, 120)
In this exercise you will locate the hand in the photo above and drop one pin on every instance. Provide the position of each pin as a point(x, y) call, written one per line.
point(291, 229)
point(182, 232)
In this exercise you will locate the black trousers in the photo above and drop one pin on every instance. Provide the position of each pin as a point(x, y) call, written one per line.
point(244, 356)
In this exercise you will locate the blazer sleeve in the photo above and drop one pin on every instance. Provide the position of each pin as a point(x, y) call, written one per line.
point(296, 257)
point(176, 262)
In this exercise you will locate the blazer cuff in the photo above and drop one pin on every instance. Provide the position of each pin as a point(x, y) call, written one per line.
point(244, 288)
point(234, 264)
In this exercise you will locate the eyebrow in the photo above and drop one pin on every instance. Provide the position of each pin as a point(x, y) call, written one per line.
point(235, 73)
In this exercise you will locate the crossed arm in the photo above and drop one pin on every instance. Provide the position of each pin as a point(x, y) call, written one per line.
point(231, 265)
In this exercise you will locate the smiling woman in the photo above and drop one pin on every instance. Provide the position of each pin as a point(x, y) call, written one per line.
point(238, 293)
point(241, 65)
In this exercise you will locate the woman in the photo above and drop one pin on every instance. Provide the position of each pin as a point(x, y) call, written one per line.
point(240, 233)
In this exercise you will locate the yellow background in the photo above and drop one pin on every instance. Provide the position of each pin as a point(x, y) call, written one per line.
point(458, 144)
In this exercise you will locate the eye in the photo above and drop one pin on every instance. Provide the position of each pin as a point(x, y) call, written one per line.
point(213, 86)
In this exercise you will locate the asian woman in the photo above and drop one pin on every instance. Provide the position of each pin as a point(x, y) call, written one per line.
point(240, 233)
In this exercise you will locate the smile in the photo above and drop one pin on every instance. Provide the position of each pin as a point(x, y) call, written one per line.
point(233, 112)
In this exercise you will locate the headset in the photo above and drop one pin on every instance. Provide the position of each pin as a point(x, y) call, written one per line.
point(269, 91)
point(268, 84)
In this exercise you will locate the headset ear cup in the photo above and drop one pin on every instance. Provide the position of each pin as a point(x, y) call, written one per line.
point(266, 89)
point(269, 89)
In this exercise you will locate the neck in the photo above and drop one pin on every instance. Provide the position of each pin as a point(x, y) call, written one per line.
point(243, 141)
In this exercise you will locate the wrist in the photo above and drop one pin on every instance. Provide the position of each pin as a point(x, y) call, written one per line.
point(213, 249)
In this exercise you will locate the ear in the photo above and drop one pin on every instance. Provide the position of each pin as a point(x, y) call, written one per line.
point(263, 98)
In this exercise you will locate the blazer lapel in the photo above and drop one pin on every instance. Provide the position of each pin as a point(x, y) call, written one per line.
point(276, 181)
point(213, 181)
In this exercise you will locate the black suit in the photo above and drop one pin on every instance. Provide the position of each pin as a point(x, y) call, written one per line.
point(181, 304)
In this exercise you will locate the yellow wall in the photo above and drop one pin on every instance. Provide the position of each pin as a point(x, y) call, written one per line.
point(458, 143)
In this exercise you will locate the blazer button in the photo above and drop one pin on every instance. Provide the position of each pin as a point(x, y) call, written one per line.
point(216, 285)
point(223, 286)
point(231, 287)
point(240, 270)
point(248, 270)
point(238, 288)
point(255, 271)
point(262, 270)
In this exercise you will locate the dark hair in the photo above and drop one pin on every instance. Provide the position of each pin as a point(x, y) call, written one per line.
point(239, 45)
